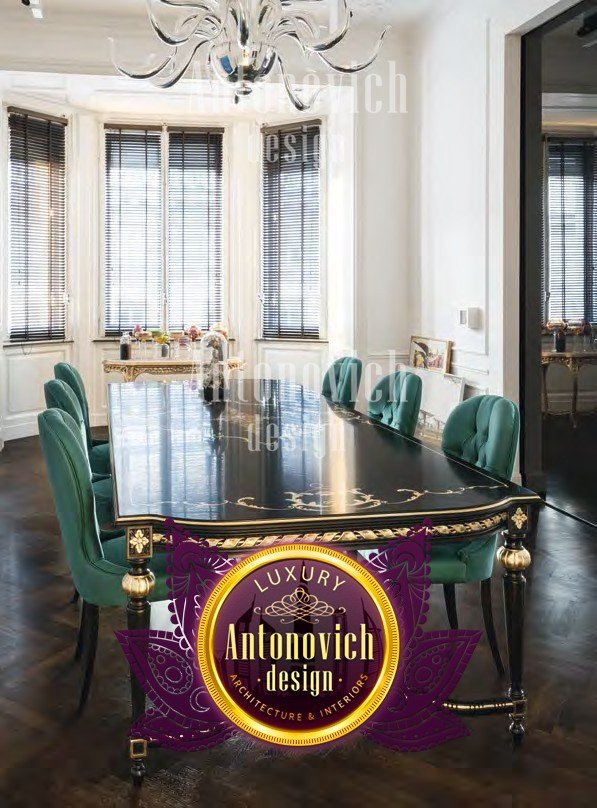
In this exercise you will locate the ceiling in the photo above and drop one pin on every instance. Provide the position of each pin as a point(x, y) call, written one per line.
point(569, 66)
point(390, 11)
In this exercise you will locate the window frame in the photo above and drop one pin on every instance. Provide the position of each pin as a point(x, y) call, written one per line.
point(124, 122)
point(44, 110)
point(323, 245)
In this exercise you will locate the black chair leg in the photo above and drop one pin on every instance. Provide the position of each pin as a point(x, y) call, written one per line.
point(75, 597)
point(91, 620)
point(489, 625)
point(450, 598)
point(81, 636)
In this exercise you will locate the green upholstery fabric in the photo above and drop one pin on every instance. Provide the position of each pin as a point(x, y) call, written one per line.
point(104, 500)
point(97, 578)
point(342, 380)
point(59, 395)
point(99, 453)
point(396, 400)
point(99, 457)
point(482, 431)
point(462, 562)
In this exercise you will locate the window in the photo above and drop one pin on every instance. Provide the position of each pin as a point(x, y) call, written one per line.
point(569, 277)
point(163, 229)
point(37, 296)
point(291, 282)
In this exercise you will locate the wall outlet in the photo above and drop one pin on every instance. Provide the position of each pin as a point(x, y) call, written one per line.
point(469, 318)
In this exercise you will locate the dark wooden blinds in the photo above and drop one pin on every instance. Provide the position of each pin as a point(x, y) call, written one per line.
point(569, 277)
point(37, 297)
point(164, 218)
point(291, 281)
point(195, 262)
point(133, 277)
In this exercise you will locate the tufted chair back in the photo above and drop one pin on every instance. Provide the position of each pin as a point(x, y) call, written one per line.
point(96, 579)
point(396, 401)
point(484, 431)
point(342, 380)
point(60, 396)
point(70, 375)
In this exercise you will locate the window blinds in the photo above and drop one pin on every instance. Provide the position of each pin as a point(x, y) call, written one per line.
point(194, 229)
point(571, 238)
point(291, 286)
point(37, 297)
point(164, 267)
point(133, 280)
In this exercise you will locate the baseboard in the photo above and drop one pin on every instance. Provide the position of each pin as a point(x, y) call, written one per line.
point(22, 429)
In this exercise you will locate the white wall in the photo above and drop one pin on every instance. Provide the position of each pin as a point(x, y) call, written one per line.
point(368, 264)
point(466, 143)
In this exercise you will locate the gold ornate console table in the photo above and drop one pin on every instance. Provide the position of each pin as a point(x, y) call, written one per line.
point(132, 368)
point(573, 360)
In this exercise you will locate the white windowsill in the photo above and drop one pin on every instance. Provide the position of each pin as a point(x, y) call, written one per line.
point(296, 340)
point(22, 343)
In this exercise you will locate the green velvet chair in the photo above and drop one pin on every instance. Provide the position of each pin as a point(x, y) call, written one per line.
point(482, 431)
point(342, 381)
point(396, 400)
point(99, 450)
point(97, 567)
point(59, 395)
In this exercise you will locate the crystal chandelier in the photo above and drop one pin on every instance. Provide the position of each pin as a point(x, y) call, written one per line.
point(241, 40)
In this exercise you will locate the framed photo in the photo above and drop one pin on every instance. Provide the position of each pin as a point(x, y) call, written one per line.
point(430, 354)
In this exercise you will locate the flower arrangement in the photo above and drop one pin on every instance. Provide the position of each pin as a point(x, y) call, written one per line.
point(194, 333)
point(161, 337)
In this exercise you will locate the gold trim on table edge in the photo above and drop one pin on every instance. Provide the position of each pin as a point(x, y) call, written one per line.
point(354, 517)
point(370, 536)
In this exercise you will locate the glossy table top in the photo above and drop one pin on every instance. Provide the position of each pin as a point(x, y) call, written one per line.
point(275, 457)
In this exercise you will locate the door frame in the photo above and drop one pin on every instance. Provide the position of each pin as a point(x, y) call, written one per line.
point(531, 247)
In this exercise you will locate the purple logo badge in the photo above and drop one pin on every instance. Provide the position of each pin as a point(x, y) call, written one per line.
point(299, 646)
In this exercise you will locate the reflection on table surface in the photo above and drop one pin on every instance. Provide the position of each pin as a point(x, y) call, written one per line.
point(273, 450)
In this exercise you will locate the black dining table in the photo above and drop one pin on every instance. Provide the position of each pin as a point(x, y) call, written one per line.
point(275, 463)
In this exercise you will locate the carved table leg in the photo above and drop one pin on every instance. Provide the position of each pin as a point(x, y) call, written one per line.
point(515, 559)
point(138, 584)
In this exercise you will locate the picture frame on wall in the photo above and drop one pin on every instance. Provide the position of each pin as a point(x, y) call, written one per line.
point(430, 354)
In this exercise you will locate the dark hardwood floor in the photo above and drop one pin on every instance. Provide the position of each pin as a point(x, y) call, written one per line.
point(570, 464)
point(50, 758)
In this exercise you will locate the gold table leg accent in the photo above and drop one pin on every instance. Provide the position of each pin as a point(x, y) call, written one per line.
point(138, 583)
point(515, 559)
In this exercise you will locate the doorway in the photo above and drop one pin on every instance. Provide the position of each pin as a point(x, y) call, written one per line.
point(558, 352)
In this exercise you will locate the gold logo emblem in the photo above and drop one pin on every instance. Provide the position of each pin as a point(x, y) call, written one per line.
point(298, 646)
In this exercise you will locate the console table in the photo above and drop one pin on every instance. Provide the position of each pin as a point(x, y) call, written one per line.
point(132, 368)
point(573, 360)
